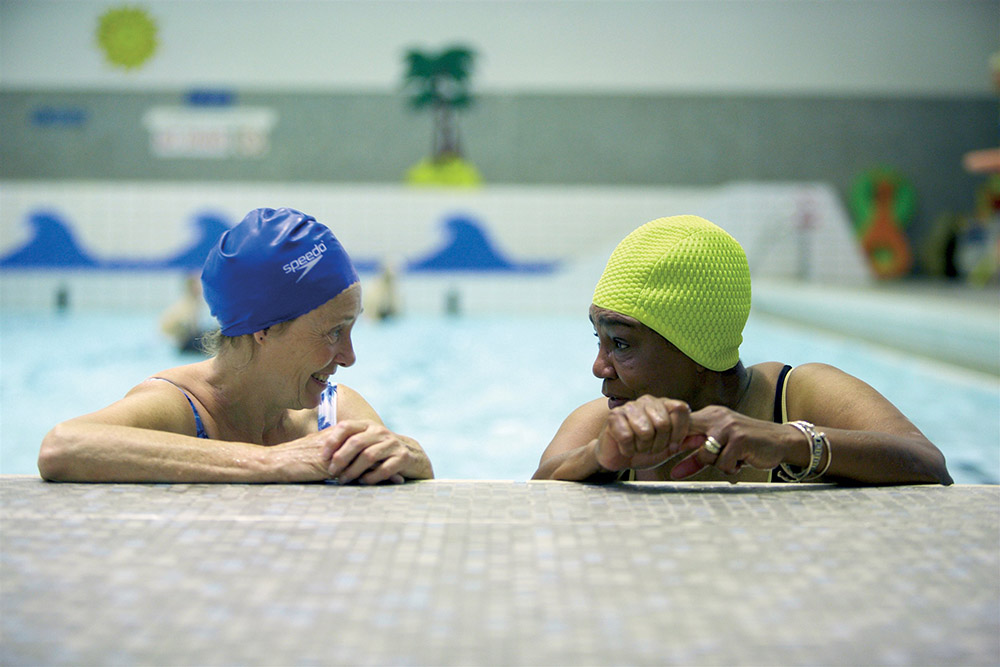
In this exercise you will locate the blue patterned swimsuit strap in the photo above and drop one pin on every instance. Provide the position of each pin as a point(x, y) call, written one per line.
point(327, 414)
point(202, 433)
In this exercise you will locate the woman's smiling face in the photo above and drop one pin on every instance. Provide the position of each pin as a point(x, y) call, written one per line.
point(313, 346)
point(633, 360)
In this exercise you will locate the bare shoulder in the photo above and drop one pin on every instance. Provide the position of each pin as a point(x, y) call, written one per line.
point(822, 393)
point(803, 375)
point(815, 373)
point(592, 411)
point(823, 382)
point(152, 404)
point(352, 405)
point(580, 427)
point(190, 378)
point(769, 370)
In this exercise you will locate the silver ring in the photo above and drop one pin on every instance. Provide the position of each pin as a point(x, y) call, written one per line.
point(712, 446)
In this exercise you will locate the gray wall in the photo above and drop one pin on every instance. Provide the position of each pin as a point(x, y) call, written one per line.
point(635, 139)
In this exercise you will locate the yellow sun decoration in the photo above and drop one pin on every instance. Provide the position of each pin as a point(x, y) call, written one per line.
point(127, 35)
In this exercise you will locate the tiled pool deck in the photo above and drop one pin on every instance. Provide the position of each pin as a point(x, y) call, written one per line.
point(498, 573)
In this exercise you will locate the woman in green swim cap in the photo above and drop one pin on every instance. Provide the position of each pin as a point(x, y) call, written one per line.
point(668, 313)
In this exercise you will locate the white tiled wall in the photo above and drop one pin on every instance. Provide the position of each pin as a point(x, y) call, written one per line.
point(577, 226)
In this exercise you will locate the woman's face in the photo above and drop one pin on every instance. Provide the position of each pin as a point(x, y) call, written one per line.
point(633, 360)
point(311, 347)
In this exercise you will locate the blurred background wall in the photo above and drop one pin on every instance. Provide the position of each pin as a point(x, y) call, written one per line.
point(619, 93)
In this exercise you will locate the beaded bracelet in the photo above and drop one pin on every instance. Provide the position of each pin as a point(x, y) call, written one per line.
point(817, 440)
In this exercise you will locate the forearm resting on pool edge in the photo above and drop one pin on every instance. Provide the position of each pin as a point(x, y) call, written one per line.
point(874, 457)
point(858, 457)
point(578, 464)
point(76, 451)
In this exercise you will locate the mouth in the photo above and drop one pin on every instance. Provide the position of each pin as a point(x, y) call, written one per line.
point(320, 378)
point(615, 401)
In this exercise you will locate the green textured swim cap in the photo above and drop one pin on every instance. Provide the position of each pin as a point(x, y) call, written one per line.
point(686, 279)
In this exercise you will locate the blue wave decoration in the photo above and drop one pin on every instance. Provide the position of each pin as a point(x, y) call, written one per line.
point(53, 246)
point(469, 248)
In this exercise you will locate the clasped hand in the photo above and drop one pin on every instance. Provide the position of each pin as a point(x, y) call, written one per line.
point(351, 450)
point(365, 451)
point(648, 431)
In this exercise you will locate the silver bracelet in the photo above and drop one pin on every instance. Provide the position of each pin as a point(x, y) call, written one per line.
point(816, 442)
point(829, 456)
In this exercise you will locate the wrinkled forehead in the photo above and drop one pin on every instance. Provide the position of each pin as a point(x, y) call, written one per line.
point(606, 317)
point(344, 307)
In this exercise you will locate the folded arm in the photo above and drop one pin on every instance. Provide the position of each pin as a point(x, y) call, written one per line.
point(594, 443)
point(870, 440)
point(149, 436)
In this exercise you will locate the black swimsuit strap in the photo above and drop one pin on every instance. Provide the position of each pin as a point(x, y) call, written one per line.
point(778, 391)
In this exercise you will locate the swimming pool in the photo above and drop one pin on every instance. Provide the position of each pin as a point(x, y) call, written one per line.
point(483, 394)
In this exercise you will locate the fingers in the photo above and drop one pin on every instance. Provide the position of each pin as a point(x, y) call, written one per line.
point(680, 426)
point(380, 474)
point(369, 453)
point(700, 458)
point(648, 425)
point(337, 435)
point(687, 467)
point(709, 450)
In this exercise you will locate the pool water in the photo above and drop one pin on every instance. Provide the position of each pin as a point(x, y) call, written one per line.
point(483, 395)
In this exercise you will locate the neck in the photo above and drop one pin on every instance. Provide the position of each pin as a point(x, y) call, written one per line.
point(730, 388)
point(241, 410)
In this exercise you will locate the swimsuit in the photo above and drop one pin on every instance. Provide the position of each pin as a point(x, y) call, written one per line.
point(202, 433)
point(326, 417)
point(781, 406)
point(780, 391)
point(327, 413)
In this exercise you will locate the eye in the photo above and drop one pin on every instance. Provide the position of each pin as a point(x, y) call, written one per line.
point(334, 334)
point(619, 343)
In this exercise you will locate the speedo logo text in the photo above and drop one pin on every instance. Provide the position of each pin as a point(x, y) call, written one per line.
point(306, 262)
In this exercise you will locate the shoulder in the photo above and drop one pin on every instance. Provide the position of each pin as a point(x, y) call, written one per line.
point(769, 370)
point(189, 378)
point(166, 385)
point(810, 381)
point(352, 405)
point(822, 393)
point(153, 404)
point(580, 427)
point(815, 374)
point(591, 411)
point(176, 385)
point(185, 389)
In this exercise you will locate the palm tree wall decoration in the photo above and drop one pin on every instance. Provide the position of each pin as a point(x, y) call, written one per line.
point(440, 82)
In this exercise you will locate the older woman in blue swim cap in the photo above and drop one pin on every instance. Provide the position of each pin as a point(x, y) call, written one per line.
point(668, 313)
point(263, 407)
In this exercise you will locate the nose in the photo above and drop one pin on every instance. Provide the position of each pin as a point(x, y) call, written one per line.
point(345, 354)
point(602, 368)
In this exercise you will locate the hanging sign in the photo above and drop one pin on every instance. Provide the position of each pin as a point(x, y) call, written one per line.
point(181, 132)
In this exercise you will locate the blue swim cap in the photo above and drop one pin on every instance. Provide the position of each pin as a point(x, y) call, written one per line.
point(272, 267)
